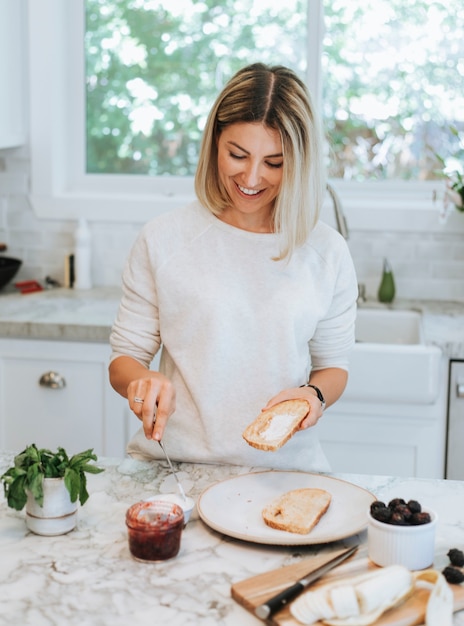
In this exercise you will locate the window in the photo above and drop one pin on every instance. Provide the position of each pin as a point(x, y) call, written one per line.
point(392, 85)
point(153, 67)
point(153, 70)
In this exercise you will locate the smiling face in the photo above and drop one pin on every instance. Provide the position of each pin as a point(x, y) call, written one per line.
point(250, 166)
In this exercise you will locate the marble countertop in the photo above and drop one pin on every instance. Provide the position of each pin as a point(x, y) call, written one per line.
point(88, 578)
point(87, 315)
point(60, 314)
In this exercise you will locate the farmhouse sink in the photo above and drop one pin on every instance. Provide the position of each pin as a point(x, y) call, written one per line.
point(391, 362)
point(389, 326)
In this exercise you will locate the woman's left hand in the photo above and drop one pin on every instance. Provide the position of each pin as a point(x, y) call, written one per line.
point(307, 393)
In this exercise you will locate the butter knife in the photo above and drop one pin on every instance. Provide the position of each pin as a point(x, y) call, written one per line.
point(179, 485)
point(281, 599)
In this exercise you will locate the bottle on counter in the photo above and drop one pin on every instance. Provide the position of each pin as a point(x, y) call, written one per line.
point(83, 256)
point(386, 291)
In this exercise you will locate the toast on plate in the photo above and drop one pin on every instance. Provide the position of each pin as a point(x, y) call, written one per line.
point(274, 427)
point(297, 511)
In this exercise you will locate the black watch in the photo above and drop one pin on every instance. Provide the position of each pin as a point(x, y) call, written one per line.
point(318, 393)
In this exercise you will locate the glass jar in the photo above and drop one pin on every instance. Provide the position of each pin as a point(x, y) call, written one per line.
point(154, 530)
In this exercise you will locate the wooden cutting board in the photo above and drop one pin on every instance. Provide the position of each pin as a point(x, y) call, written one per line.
point(252, 592)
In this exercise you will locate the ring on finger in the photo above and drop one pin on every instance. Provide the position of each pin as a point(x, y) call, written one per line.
point(140, 400)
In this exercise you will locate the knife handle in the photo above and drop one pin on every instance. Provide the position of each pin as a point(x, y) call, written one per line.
point(279, 601)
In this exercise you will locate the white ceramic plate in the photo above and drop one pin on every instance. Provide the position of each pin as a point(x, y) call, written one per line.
point(233, 507)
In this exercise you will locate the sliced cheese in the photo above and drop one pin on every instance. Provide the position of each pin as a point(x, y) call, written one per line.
point(379, 592)
point(357, 601)
point(344, 601)
point(361, 600)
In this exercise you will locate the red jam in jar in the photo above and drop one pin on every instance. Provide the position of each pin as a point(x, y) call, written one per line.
point(154, 530)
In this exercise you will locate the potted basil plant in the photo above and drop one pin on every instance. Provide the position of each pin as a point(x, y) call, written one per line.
point(49, 484)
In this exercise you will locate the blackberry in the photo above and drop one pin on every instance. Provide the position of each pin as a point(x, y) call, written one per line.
point(404, 510)
point(414, 506)
point(382, 514)
point(420, 518)
point(456, 557)
point(395, 502)
point(453, 575)
point(377, 505)
point(398, 519)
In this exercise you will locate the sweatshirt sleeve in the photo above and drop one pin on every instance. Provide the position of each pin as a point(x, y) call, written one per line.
point(334, 337)
point(136, 330)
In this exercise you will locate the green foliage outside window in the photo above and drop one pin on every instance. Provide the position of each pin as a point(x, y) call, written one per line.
point(392, 79)
point(393, 75)
point(155, 68)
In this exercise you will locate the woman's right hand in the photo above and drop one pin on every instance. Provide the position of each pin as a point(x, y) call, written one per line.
point(153, 400)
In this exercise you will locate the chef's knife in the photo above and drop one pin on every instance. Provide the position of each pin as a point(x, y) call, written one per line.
point(278, 601)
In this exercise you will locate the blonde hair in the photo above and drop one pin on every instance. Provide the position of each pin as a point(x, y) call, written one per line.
point(277, 98)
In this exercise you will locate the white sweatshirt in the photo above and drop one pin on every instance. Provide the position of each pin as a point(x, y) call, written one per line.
point(235, 329)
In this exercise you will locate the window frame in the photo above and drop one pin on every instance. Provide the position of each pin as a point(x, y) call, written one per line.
point(61, 190)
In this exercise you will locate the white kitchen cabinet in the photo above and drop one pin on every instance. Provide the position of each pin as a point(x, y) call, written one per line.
point(85, 412)
point(13, 47)
point(394, 439)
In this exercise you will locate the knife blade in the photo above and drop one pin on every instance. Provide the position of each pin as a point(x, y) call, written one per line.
point(277, 602)
point(179, 484)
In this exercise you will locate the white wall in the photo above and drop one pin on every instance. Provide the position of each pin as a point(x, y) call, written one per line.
point(426, 264)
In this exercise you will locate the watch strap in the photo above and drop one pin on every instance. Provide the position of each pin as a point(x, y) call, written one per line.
point(318, 393)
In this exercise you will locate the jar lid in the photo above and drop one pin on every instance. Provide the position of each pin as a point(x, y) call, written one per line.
point(155, 514)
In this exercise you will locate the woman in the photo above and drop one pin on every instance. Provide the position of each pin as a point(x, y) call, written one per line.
point(248, 294)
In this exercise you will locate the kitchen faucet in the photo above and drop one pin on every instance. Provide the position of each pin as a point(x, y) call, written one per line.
point(340, 218)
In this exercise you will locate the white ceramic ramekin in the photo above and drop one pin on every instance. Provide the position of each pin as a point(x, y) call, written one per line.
point(411, 546)
point(186, 505)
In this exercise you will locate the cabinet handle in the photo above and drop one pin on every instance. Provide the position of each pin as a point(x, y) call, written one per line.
point(52, 380)
point(460, 390)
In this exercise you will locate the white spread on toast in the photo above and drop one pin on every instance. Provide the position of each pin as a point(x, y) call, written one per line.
point(274, 426)
point(278, 426)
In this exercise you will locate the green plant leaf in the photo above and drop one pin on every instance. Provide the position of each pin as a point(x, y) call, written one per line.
point(92, 469)
point(34, 482)
point(83, 457)
point(28, 456)
point(72, 480)
point(83, 493)
point(17, 495)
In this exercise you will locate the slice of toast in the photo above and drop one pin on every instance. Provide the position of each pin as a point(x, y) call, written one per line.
point(297, 511)
point(274, 427)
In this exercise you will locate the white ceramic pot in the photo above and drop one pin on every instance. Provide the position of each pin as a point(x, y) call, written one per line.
point(57, 516)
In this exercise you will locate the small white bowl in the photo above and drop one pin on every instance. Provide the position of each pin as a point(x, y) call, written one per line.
point(410, 546)
point(186, 505)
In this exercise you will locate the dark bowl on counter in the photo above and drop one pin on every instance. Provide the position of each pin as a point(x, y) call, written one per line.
point(8, 269)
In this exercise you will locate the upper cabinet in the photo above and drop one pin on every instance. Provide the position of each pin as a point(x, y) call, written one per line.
point(13, 42)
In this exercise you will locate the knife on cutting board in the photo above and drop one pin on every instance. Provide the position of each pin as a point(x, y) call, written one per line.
point(277, 602)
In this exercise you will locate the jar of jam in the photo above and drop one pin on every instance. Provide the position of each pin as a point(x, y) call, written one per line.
point(154, 530)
